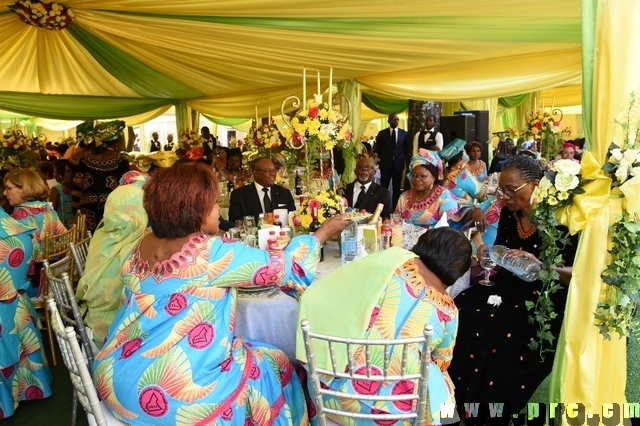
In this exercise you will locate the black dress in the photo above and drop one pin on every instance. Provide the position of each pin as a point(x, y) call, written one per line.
point(492, 362)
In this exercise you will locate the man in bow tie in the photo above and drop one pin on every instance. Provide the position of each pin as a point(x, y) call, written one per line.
point(429, 138)
point(393, 148)
point(364, 193)
point(209, 143)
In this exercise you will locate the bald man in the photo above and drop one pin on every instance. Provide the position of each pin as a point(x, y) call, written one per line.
point(364, 193)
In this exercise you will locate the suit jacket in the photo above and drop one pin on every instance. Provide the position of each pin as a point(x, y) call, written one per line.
point(244, 201)
point(393, 157)
point(376, 194)
point(206, 150)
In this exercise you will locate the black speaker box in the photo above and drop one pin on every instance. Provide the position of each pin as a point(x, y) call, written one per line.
point(457, 126)
point(481, 125)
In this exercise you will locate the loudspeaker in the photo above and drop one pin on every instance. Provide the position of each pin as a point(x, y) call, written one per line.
point(481, 125)
point(457, 126)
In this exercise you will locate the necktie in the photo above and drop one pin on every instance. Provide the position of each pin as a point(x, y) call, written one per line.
point(393, 137)
point(267, 201)
point(360, 196)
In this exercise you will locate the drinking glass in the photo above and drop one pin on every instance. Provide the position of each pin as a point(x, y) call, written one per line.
point(251, 241)
point(487, 264)
point(250, 224)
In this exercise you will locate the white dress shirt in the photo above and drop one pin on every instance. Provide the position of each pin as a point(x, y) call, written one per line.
point(416, 140)
point(357, 190)
point(261, 195)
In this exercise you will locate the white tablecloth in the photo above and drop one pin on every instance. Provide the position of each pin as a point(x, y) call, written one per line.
point(274, 320)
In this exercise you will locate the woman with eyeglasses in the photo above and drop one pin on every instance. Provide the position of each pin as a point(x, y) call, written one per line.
point(427, 200)
point(492, 360)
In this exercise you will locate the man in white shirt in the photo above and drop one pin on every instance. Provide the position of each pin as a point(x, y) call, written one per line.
point(364, 193)
point(430, 138)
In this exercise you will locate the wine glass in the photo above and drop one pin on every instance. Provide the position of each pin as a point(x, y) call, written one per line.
point(487, 264)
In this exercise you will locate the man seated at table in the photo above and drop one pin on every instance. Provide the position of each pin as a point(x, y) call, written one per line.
point(262, 196)
point(364, 193)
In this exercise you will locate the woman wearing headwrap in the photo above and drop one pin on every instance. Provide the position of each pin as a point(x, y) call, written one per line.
point(97, 171)
point(427, 200)
point(568, 152)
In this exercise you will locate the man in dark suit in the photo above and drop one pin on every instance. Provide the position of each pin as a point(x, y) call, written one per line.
point(393, 148)
point(155, 143)
point(209, 143)
point(364, 193)
point(262, 196)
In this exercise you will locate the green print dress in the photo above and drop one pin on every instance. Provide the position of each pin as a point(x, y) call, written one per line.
point(171, 357)
point(24, 372)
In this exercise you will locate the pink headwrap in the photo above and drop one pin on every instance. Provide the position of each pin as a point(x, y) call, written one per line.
point(569, 145)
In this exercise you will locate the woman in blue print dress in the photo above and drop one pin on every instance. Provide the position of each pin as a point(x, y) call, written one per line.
point(170, 356)
point(24, 372)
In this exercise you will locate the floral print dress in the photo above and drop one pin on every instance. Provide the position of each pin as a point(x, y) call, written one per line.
point(406, 305)
point(428, 212)
point(171, 357)
point(24, 372)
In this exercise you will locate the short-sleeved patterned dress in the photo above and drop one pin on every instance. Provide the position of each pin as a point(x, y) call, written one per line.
point(171, 356)
point(428, 212)
point(24, 372)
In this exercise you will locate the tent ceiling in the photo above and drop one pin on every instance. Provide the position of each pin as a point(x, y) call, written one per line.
point(224, 57)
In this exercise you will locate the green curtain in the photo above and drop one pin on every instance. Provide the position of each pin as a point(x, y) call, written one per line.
point(512, 101)
point(383, 105)
point(589, 11)
point(62, 107)
point(232, 122)
point(183, 117)
point(140, 77)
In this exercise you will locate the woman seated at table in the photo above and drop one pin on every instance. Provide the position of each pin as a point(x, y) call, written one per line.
point(25, 374)
point(235, 172)
point(492, 360)
point(427, 200)
point(391, 295)
point(475, 165)
point(220, 159)
point(170, 355)
point(28, 194)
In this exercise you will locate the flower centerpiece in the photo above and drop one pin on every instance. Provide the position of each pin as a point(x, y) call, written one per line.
point(543, 126)
point(19, 149)
point(265, 136)
point(512, 132)
point(554, 192)
point(43, 14)
point(328, 204)
point(190, 139)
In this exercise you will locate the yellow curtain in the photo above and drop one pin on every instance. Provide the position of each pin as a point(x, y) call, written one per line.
point(593, 370)
point(136, 120)
point(563, 96)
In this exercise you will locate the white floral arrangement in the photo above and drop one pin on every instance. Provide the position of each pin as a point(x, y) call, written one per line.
point(622, 164)
point(557, 186)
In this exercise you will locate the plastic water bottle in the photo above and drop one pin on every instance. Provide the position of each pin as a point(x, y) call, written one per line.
point(522, 267)
point(349, 243)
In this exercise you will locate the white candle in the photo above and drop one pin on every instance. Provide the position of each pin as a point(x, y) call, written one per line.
point(330, 87)
point(553, 101)
point(304, 88)
point(543, 103)
point(269, 115)
point(535, 104)
point(257, 117)
point(318, 92)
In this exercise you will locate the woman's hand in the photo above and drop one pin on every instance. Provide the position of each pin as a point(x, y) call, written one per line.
point(330, 227)
point(479, 219)
point(481, 251)
point(514, 253)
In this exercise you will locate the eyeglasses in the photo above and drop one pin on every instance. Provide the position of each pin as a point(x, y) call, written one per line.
point(420, 177)
point(510, 193)
point(267, 171)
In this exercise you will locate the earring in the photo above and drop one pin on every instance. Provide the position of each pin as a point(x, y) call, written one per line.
point(531, 199)
point(431, 187)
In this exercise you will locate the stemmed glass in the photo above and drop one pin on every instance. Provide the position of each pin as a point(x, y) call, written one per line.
point(487, 264)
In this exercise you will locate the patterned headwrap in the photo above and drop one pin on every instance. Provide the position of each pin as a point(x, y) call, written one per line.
point(134, 177)
point(424, 157)
point(569, 145)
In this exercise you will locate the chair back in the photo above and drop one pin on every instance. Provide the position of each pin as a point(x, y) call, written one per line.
point(57, 246)
point(79, 250)
point(81, 226)
point(75, 363)
point(68, 310)
point(367, 345)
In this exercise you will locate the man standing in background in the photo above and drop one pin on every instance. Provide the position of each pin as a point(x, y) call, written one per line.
point(393, 148)
point(155, 143)
point(430, 138)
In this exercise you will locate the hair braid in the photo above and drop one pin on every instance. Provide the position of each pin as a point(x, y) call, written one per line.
point(526, 166)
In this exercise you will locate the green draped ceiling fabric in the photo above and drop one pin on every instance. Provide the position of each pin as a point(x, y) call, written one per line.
point(125, 58)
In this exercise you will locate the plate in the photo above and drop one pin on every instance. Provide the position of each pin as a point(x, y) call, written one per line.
point(360, 218)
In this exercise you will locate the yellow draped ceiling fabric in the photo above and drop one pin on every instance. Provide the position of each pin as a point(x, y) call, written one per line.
point(224, 57)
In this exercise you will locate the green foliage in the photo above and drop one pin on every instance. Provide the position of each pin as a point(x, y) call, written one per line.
point(543, 310)
point(619, 312)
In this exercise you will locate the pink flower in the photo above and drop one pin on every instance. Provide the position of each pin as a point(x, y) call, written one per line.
point(297, 138)
point(347, 135)
point(314, 204)
point(557, 124)
point(313, 112)
point(539, 125)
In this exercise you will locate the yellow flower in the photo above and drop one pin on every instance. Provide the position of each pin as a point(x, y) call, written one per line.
point(563, 196)
point(305, 220)
point(323, 114)
point(552, 201)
